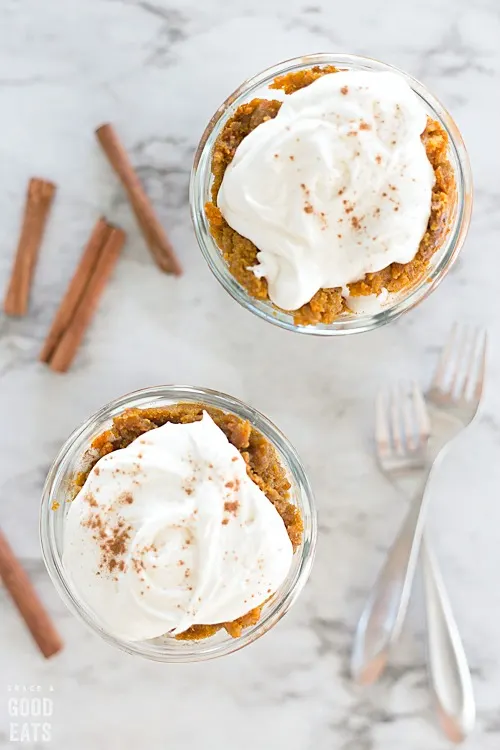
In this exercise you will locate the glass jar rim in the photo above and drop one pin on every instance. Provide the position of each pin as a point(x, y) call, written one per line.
point(171, 650)
point(358, 322)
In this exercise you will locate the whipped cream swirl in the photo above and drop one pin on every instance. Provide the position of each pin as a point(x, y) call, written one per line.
point(171, 532)
point(337, 185)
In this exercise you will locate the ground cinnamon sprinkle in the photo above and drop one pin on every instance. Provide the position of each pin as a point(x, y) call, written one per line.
point(231, 507)
point(263, 467)
point(126, 498)
point(90, 499)
point(113, 541)
point(137, 564)
point(327, 304)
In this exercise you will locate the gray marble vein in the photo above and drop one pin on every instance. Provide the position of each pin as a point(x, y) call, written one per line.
point(158, 69)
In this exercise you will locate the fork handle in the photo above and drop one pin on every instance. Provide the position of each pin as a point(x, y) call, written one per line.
point(448, 669)
point(385, 610)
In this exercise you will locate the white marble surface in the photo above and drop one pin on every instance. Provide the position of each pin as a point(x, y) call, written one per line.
point(158, 69)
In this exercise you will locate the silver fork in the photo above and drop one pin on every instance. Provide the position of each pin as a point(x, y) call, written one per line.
point(448, 668)
point(453, 400)
point(402, 434)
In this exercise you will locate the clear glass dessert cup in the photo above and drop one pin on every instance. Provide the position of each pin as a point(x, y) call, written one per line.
point(54, 508)
point(399, 303)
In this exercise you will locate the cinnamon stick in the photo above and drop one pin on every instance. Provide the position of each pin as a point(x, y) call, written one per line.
point(27, 601)
point(72, 336)
point(76, 288)
point(160, 246)
point(39, 199)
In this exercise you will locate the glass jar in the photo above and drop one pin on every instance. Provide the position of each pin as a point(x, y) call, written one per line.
point(441, 261)
point(54, 509)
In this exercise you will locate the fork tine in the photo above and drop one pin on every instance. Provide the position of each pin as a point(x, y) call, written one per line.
point(421, 414)
point(408, 417)
point(439, 379)
point(476, 366)
point(396, 419)
point(481, 373)
point(382, 430)
point(461, 349)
